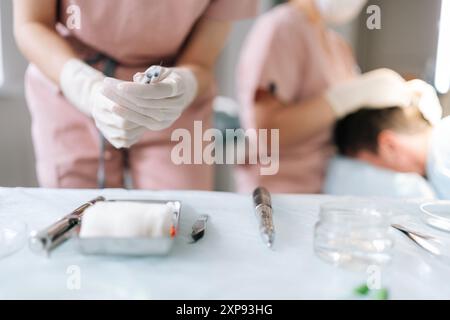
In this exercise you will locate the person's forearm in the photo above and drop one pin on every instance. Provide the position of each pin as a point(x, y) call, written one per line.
point(297, 122)
point(43, 47)
point(203, 49)
point(204, 76)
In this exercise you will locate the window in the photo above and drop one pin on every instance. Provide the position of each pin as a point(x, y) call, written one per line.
point(442, 73)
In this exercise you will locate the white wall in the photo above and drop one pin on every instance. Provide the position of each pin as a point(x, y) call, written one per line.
point(407, 41)
point(16, 150)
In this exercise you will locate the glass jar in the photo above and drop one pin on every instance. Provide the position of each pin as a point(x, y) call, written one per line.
point(353, 234)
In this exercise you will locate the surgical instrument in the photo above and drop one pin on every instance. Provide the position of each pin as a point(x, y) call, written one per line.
point(430, 244)
point(263, 210)
point(199, 228)
point(152, 74)
point(51, 237)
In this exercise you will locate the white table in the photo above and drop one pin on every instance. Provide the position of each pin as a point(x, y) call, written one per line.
point(231, 262)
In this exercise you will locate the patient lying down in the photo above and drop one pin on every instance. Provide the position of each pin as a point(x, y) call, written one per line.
point(399, 139)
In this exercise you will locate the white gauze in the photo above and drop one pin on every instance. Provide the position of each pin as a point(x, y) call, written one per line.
point(127, 220)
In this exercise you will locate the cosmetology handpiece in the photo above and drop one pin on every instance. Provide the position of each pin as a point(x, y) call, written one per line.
point(263, 210)
point(48, 239)
point(152, 75)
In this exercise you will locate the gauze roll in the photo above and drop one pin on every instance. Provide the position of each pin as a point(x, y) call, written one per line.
point(127, 220)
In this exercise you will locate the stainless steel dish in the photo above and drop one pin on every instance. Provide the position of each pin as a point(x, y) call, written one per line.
point(132, 246)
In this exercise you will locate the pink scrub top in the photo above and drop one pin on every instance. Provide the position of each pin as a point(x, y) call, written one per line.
point(286, 49)
point(137, 34)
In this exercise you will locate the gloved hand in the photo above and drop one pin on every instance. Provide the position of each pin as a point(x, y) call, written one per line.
point(82, 86)
point(377, 89)
point(426, 99)
point(156, 105)
point(120, 132)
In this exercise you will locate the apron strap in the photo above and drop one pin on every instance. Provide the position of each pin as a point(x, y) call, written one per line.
point(109, 70)
point(110, 65)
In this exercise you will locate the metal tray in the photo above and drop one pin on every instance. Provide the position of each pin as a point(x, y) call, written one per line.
point(131, 246)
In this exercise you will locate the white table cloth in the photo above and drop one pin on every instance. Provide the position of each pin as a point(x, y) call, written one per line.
point(230, 262)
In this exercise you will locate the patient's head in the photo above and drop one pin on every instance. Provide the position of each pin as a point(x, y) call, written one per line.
point(393, 138)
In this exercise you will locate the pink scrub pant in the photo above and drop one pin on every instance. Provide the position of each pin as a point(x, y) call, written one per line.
point(67, 146)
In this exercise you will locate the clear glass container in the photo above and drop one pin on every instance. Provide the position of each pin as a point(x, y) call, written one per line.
point(353, 234)
point(437, 214)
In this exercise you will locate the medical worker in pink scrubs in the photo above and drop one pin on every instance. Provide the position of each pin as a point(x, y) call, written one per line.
point(299, 76)
point(83, 55)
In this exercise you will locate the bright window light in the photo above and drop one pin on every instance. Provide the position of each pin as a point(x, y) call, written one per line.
point(442, 74)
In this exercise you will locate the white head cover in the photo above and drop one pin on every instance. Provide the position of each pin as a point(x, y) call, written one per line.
point(337, 12)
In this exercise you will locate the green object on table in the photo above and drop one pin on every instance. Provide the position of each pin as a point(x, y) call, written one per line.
point(362, 290)
point(382, 294)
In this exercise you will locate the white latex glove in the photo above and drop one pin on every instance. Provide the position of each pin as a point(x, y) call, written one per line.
point(120, 132)
point(82, 86)
point(155, 105)
point(377, 89)
point(426, 99)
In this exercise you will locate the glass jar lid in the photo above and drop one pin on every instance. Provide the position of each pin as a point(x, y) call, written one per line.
point(437, 214)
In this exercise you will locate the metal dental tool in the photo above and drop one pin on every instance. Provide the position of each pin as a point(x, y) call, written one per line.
point(263, 210)
point(48, 239)
point(199, 228)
